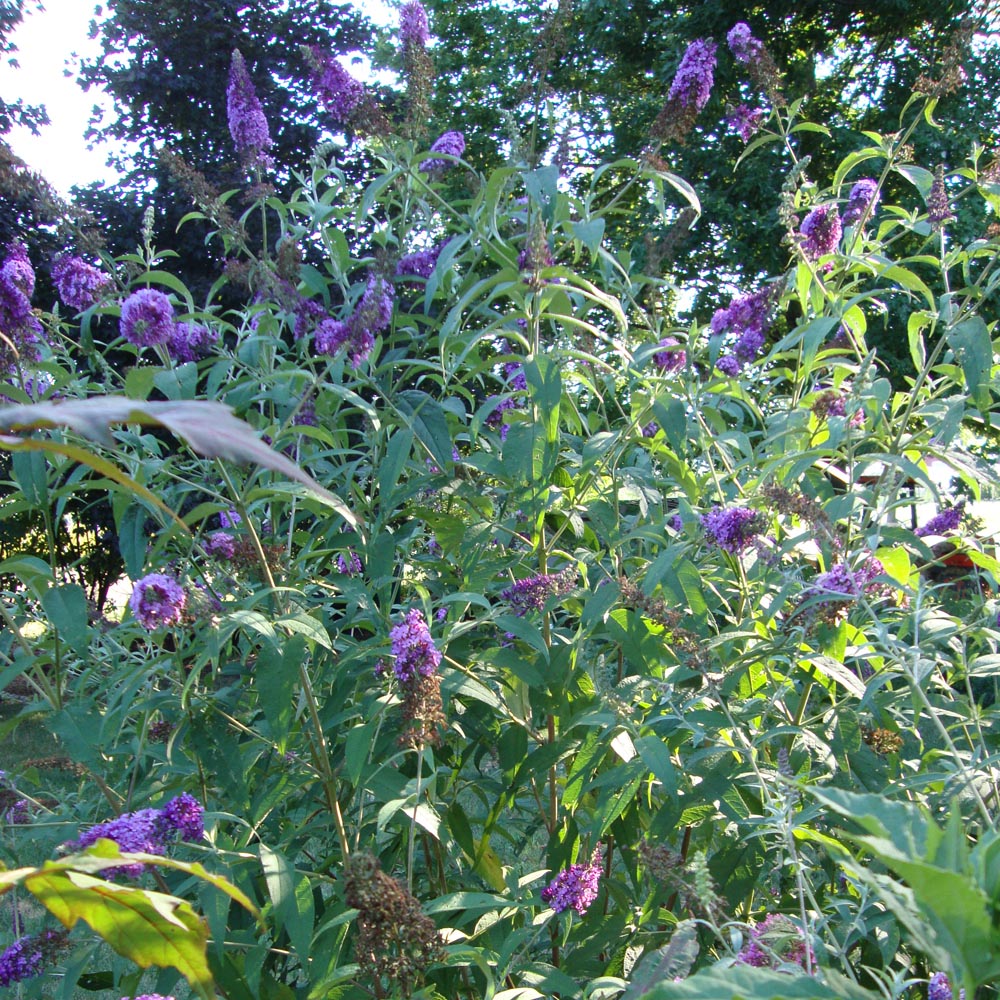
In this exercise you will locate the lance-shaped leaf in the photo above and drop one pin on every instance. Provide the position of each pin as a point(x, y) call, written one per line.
point(209, 428)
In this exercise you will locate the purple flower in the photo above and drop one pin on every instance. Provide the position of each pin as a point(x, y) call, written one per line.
point(732, 528)
point(841, 585)
point(183, 815)
point(157, 599)
point(728, 365)
point(862, 200)
point(420, 264)
point(745, 121)
point(938, 206)
point(822, 231)
point(147, 318)
point(28, 956)
point(247, 124)
point(191, 341)
point(672, 357)
point(692, 84)
point(336, 88)
point(229, 518)
point(748, 318)
point(575, 886)
point(78, 283)
point(650, 430)
point(534, 258)
point(775, 941)
point(451, 144)
point(947, 520)
point(939, 988)
point(676, 522)
point(135, 832)
point(20, 327)
point(357, 334)
point(149, 996)
point(531, 593)
point(351, 566)
point(744, 47)
point(413, 27)
point(220, 544)
point(834, 404)
point(413, 648)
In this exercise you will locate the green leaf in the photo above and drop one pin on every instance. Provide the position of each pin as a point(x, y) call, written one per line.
point(275, 678)
point(744, 982)
point(66, 608)
point(970, 340)
point(426, 417)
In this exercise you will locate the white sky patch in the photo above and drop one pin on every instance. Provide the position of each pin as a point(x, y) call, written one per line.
point(46, 43)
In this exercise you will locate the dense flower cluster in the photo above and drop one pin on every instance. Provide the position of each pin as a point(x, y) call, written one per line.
point(28, 956)
point(574, 887)
point(413, 648)
point(939, 988)
point(732, 528)
point(78, 283)
point(349, 565)
point(357, 334)
point(692, 84)
point(744, 47)
point(157, 599)
point(191, 341)
point(229, 518)
point(821, 230)
point(421, 263)
point(413, 27)
point(947, 520)
point(775, 941)
point(747, 319)
point(745, 121)
point(832, 403)
point(450, 144)
point(21, 330)
point(938, 206)
point(831, 593)
point(861, 201)
point(531, 593)
point(147, 831)
point(147, 318)
point(671, 357)
point(247, 123)
point(340, 93)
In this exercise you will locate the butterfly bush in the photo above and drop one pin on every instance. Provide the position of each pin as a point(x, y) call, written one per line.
point(247, 122)
point(157, 600)
point(79, 284)
point(575, 887)
point(147, 318)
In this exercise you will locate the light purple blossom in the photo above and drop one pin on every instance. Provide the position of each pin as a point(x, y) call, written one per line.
point(822, 230)
point(862, 199)
point(939, 988)
point(138, 832)
point(947, 520)
point(357, 334)
point(157, 599)
point(744, 47)
point(745, 121)
point(220, 544)
point(147, 318)
point(451, 144)
point(413, 648)
point(183, 815)
point(692, 84)
point(78, 283)
point(671, 357)
point(351, 565)
point(732, 528)
point(340, 93)
point(775, 941)
point(413, 27)
point(247, 123)
point(574, 887)
point(229, 518)
point(22, 331)
point(748, 318)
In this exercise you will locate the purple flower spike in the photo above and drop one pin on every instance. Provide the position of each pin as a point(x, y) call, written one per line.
point(78, 283)
point(183, 815)
point(672, 357)
point(191, 342)
point(692, 85)
point(732, 529)
point(744, 47)
point(822, 230)
point(451, 144)
point(156, 600)
point(413, 27)
point(28, 956)
point(574, 887)
point(340, 93)
point(247, 124)
point(862, 199)
point(147, 318)
point(414, 649)
point(947, 520)
point(745, 121)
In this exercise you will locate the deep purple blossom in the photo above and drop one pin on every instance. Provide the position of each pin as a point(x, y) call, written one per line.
point(822, 230)
point(340, 93)
point(191, 341)
point(372, 315)
point(574, 887)
point(157, 599)
point(451, 144)
point(147, 318)
point(939, 988)
point(947, 520)
point(531, 593)
point(350, 565)
point(138, 832)
point(775, 941)
point(671, 357)
point(413, 27)
point(149, 996)
point(220, 544)
point(732, 528)
point(28, 956)
point(862, 199)
point(747, 318)
point(534, 258)
point(841, 585)
point(421, 263)
point(692, 84)
point(183, 815)
point(745, 121)
point(21, 329)
point(728, 365)
point(413, 648)
point(649, 430)
point(229, 518)
point(247, 123)
point(744, 47)
point(78, 283)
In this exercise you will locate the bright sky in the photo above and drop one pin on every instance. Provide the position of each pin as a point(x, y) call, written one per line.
point(46, 41)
